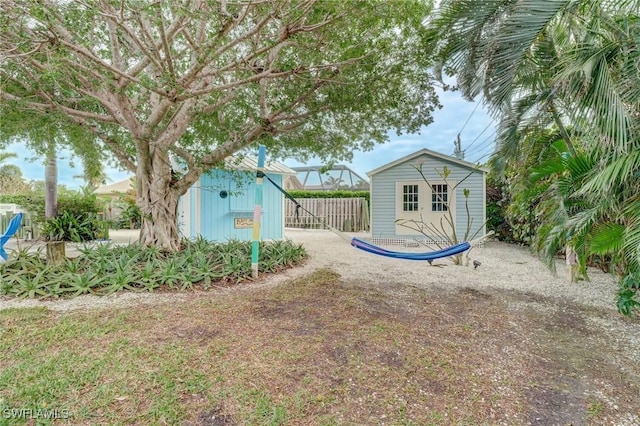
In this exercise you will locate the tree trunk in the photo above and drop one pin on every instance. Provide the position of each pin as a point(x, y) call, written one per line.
point(55, 252)
point(51, 182)
point(158, 201)
point(159, 222)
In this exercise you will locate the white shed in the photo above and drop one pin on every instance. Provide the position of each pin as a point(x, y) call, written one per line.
point(401, 195)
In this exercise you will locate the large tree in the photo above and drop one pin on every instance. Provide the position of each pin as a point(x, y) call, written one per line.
point(189, 83)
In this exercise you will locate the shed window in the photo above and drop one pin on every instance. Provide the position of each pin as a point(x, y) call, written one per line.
point(410, 198)
point(439, 198)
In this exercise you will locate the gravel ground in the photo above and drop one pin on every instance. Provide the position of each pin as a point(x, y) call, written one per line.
point(503, 266)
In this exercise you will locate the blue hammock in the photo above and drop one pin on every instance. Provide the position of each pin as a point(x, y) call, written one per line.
point(432, 255)
point(368, 247)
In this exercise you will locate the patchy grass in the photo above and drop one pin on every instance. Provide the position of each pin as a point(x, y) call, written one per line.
point(317, 350)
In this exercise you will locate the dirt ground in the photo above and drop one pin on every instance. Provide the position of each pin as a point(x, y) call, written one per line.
point(372, 340)
point(396, 354)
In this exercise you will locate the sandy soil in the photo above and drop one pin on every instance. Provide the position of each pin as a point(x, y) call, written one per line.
point(503, 266)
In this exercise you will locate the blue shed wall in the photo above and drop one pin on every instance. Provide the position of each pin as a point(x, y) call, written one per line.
point(212, 217)
point(384, 197)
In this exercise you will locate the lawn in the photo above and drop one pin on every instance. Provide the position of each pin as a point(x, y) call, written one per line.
point(320, 350)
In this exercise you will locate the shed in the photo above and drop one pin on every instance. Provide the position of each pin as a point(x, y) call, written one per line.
point(399, 192)
point(219, 207)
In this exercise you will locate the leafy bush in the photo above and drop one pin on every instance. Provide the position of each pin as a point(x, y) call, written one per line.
point(68, 226)
point(130, 218)
point(497, 202)
point(107, 269)
point(69, 201)
point(629, 294)
point(299, 193)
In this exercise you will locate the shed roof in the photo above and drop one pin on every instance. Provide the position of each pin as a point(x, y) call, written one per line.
point(425, 151)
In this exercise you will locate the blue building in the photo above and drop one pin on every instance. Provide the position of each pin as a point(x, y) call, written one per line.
point(219, 207)
point(400, 196)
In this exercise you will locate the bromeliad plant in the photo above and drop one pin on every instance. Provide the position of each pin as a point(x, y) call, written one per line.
point(107, 269)
point(76, 227)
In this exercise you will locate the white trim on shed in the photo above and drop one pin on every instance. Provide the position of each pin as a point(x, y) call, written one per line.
point(425, 151)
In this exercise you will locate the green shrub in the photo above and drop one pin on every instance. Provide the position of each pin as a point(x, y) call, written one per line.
point(78, 227)
point(68, 201)
point(130, 218)
point(302, 193)
point(106, 269)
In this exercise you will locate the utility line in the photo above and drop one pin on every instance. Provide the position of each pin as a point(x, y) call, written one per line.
point(479, 134)
point(469, 118)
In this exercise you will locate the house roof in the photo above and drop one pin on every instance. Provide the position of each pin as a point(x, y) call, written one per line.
point(425, 151)
point(120, 187)
point(251, 164)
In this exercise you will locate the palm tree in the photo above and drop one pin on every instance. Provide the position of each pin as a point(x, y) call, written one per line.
point(7, 170)
point(566, 66)
point(5, 155)
point(333, 182)
point(11, 181)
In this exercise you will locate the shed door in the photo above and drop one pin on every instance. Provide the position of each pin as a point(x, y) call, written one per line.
point(442, 209)
point(426, 208)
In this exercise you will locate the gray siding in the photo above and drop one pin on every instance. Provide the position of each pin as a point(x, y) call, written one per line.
point(383, 195)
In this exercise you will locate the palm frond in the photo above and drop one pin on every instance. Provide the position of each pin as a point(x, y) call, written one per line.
point(631, 243)
point(484, 42)
point(622, 169)
point(607, 238)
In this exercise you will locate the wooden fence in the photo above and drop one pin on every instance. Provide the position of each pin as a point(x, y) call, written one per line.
point(345, 214)
point(28, 229)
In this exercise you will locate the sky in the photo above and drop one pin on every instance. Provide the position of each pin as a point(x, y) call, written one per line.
point(476, 128)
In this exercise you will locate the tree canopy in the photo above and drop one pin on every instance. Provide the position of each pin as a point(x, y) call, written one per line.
point(196, 81)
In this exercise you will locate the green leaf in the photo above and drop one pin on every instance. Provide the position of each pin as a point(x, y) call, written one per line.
point(607, 238)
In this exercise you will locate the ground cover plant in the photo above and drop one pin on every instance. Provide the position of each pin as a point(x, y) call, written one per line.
point(322, 350)
point(107, 269)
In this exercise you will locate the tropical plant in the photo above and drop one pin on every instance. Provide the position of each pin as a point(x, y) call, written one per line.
point(9, 170)
point(106, 269)
point(30, 284)
point(567, 67)
point(165, 82)
point(11, 181)
point(71, 227)
point(130, 217)
point(77, 284)
point(333, 182)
